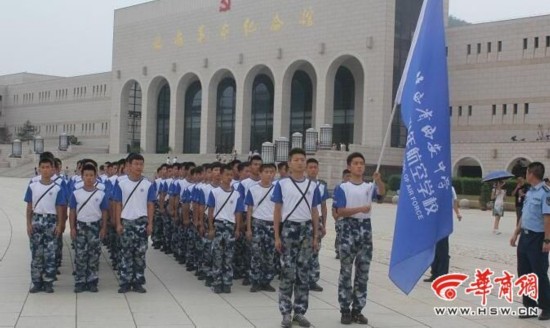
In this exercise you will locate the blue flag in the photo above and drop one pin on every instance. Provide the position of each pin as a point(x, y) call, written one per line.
point(424, 211)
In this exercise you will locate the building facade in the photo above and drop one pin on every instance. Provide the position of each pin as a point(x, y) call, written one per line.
point(216, 75)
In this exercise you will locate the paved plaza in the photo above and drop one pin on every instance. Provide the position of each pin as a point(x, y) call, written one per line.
point(175, 298)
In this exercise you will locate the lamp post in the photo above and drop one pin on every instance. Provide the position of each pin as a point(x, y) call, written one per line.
point(311, 141)
point(281, 146)
point(16, 148)
point(268, 152)
point(63, 142)
point(325, 138)
point(297, 140)
point(38, 145)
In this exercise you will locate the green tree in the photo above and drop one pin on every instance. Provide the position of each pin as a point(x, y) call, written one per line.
point(27, 132)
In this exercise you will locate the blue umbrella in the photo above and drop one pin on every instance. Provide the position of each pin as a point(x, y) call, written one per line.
point(497, 175)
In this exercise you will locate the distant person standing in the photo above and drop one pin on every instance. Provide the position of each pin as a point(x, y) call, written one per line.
point(168, 160)
point(497, 196)
point(519, 194)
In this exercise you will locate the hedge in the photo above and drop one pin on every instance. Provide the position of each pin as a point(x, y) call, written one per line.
point(462, 185)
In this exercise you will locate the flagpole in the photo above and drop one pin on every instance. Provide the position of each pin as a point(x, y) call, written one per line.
point(386, 136)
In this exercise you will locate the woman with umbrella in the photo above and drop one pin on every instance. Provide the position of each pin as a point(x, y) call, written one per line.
point(497, 196)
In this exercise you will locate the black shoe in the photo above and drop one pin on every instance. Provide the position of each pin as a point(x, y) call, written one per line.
point(124, 289)
point(202, 276)
point(191, 268)
point(268, 288)
point(346, 318)
point(246, 282)
point(360, 319)
point(48, 287)
point(93, 288)
point(227, 289)
point(58, 272)
point(315, 287)
point(138, 288)
point(197, 273)
point(544, 315)
point(218, 290)
point(35, 288)
point(208, 281)
point(337, 256)
point(168, 252)
point(156, 246)
point(255, 288)
point(181, 261)
point(431, 279)
point(79, 288)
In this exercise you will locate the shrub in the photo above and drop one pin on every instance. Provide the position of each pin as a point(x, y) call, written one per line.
point(394, 182)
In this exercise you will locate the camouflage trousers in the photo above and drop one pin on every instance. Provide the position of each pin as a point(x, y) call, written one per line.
point(168, 230)
point(133, 242)
point(43, 244)
point(190, 239)
point(178, 240)
point(355, 246)
point(314, 267)
point(223, 249)
point(157, 237)
point(59, 251)
point(243, 256)
point(87, 251)
point(338, 229)
point(263, 252)
point(203, 247)
point(296, 239)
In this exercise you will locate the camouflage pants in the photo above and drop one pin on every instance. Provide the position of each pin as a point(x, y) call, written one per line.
point(296, 239)
point(207, 257)
point(223, 249)
point(243, 256)
point(190, 239)
point(43, 244)
point(158, 234)
point(338, 229)
point(263, 251)
point(87, 251)
point(178, 244)
point(168, 228)
point(59, 251)
point(133, 242)
point(355, 246)
point(314, 267)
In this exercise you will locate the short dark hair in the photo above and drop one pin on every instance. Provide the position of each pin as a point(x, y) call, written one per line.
point(312, 160)
point(353, 156)
point(102, 167)
point(235, 162)
point(88, 161)
point(58, 163)
point(536, 169)
point(47, 154)
point(216, 165)
point(134, 157)
point(46, 160)
point(199, 169)
point(89, 167)
point(256, 158)
point(267, 166)
point(189, 165)
point(346, 171)
point(282, 165)
point(225, 167)
point(242, 166)
point(296, 151)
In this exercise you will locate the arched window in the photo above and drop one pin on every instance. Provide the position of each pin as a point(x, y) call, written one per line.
point(163, 119)
point(225, 116)
point(192, 118)
point(134, 117)
point(344, 106)
point(301, 103)
point(262, 112)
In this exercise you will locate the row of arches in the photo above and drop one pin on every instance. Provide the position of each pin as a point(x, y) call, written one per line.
point(258, 99)
point(472, 167)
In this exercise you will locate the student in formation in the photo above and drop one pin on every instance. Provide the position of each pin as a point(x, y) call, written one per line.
point(312, 169)
point(243, 251)
point(346, 175)
point(353, 201)
point(296, 199)
point(45, 202)
point(88, 221)
point(282, 168)
point(134, 208)
point(259, 223)
point(158, 232)
point(225, 207)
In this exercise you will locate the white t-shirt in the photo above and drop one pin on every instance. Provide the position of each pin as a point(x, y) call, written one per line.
point(257, 194)
point(92, 210)
point(287, 193)
point(218, 197)
point(350, 195)
point(136, 206)
point(54, 195)
point(202, 195)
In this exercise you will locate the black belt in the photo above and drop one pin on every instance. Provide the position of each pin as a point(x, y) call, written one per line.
point(262, 221)
point(298, 223)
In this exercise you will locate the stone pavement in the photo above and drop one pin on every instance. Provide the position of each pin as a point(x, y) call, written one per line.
point(176, 299)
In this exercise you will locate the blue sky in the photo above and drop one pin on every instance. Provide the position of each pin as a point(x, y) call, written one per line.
point(74, 37)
